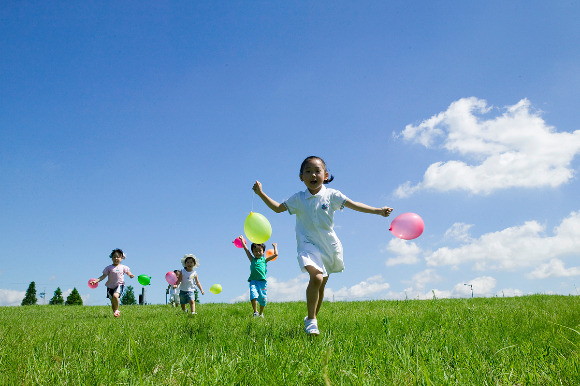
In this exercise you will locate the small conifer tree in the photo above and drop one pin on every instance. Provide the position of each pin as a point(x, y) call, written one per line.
point(30, 297)
point(128, 297)
point(57, 299)
point(74, 299)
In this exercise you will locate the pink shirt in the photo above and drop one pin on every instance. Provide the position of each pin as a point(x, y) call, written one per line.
point(115, 275)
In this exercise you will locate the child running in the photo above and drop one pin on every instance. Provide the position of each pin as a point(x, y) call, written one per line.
point(187, 281)
point(115, 274)
point(171, 290)
point(319, 249)
point(258, 271)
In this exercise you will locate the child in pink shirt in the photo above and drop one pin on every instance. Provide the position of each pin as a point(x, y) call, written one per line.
point(115, 274)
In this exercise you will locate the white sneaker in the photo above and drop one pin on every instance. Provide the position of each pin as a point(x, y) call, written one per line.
point(311, 326)
point(256, 314)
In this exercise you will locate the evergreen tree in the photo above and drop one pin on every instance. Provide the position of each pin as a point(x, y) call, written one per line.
point(74, 299)
point(128, 297)
point(57, 299)
point(30, 297)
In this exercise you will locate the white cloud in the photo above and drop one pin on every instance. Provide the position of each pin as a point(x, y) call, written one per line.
point(482, 287)
point(554, 268)
point(514, 247)
point(459, 231)
point(515, 149)
point(282, 291)
point(295, 290)
point(366, 289)
point(406, 252)
point(420, 280)
point(11, 297)
point(509, 292)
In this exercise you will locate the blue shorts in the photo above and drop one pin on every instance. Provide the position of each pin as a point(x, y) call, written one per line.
point(118, 289)
point(259, 290)
point(185, 297)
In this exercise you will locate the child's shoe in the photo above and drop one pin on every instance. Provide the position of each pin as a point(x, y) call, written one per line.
point(256, 314)
point(117, 313)
point(311, 326)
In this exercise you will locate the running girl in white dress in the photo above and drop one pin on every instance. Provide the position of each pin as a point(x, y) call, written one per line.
point(319, 249)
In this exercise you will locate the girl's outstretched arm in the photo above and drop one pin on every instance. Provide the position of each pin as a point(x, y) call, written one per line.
point(385, 211)
point(250, 257)
point(272, 204)
point(99, 279)
point(199, 285)
point(275, 255)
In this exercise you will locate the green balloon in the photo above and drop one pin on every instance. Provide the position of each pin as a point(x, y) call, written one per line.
point(257, 228)
point(144, 279)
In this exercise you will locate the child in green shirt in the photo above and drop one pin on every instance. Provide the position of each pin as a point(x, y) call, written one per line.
point(258, 271)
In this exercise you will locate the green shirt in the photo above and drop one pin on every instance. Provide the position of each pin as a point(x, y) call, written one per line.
point(258, 269)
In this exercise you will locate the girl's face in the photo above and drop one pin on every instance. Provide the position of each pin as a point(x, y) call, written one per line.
point(313, 175)
point(117, 259)
point(258, 251)
point(189, 263)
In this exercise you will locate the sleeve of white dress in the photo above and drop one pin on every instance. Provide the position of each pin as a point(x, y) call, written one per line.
point(292, 203)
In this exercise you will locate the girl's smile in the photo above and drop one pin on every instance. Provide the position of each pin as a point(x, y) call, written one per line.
point(117, 260)
point(313, 175)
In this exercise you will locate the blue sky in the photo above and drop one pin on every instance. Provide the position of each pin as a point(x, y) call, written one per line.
point(143, 126)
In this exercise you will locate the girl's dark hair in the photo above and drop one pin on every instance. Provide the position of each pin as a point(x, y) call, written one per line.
point(117, 252)
point(257, 245)
point(313, 157)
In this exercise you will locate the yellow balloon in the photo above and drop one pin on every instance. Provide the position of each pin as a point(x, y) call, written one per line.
point(215, 289)
point(257, 228)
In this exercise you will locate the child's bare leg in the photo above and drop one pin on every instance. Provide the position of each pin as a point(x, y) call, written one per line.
point(255, 305)
point(115, 302)
point(261, 309)
point(192, 306)
point(321, 294)
point(183, 308)
point(313, 291)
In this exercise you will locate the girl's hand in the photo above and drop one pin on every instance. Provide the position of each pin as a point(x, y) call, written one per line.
point(274, 244)
point(131, 275)
point(385, 211)
point(257, 188)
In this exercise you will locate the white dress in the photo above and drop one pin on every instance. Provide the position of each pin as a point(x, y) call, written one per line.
point(187, 280)
point(317, 243)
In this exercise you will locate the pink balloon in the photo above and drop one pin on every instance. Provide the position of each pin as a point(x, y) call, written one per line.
point(93, 286)
point(238, 243)
point(171, 277)
point(407, 226)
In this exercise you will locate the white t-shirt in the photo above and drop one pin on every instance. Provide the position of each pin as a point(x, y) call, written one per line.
point(315, 236)
point(187, 280)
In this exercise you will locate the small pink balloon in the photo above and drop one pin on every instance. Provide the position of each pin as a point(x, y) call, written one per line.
point(238, 243)
point(407, 226)
point(93, 286)
point(171, 277)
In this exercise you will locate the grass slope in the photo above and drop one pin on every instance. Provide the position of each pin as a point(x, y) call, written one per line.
point(506, 341)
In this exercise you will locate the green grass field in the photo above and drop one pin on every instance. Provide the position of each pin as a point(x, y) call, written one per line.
point(496, 341)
